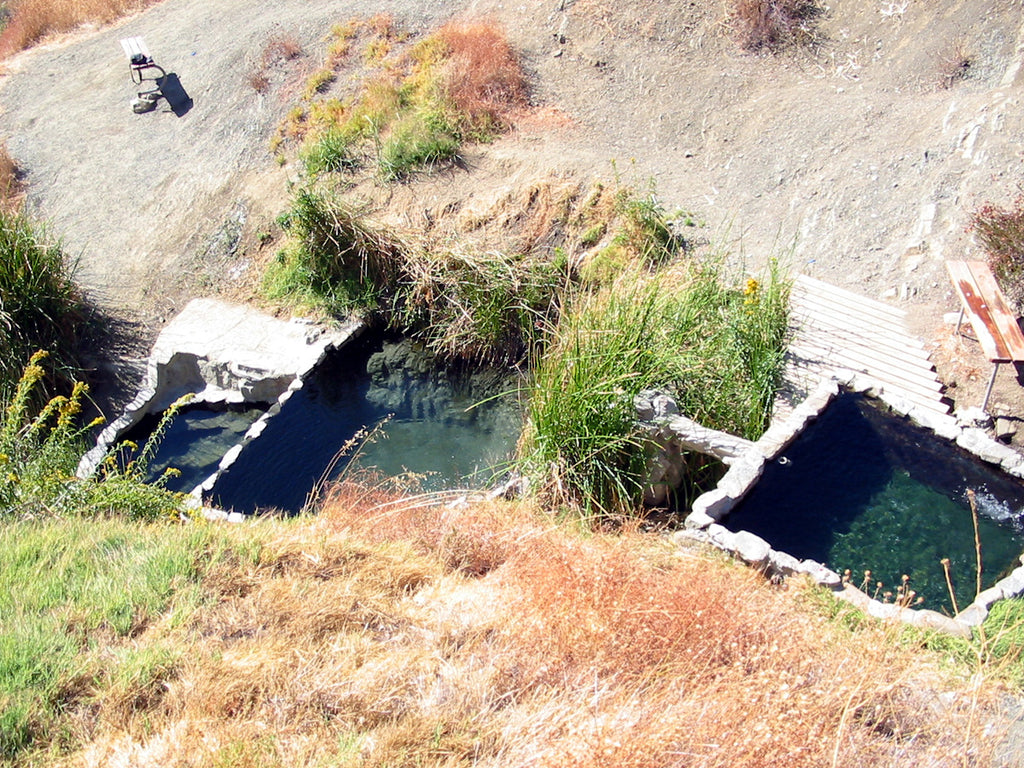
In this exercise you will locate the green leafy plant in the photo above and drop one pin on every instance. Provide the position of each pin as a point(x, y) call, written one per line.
point(39, 452)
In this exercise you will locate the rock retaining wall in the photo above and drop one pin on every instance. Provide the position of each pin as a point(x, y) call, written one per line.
point(746, 460)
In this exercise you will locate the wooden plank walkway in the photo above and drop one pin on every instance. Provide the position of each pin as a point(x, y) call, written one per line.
point(833, 329)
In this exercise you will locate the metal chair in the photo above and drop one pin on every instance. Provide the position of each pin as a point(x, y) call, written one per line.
point(143, 69)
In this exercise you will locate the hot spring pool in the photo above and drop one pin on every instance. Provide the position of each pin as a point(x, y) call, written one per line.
point(194, 442)
point(865, 490)
point(441, 428)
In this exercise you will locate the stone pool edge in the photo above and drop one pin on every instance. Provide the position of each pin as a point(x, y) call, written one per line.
point(746, 464)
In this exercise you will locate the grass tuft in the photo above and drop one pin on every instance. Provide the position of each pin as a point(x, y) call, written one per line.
point(718, 350)
point(772, 24)
point(40, 305)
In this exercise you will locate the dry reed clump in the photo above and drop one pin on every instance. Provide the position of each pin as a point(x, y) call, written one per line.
point(31, 20)
point(483, 76)
point(771, 24)
point(360, 638)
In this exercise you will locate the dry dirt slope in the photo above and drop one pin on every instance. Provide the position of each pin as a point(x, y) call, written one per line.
point(849, 151)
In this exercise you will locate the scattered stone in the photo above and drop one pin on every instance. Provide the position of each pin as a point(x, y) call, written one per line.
point(752, 549)
point(722, 537)
point(973, 615)
point(698, 520)
point(1005, 429)
point(820, 574)
point(973, 416)
point(936, 622)
point(783, 563)
point(715, 504)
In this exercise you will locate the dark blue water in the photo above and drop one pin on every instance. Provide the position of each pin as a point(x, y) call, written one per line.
point(865, 490)
point(378, 405)
point(194, 442)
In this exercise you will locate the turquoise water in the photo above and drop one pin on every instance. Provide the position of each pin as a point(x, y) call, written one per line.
point(865, 490)
point(383, 406)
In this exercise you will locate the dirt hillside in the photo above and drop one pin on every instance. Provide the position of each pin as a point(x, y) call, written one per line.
point(857, 158)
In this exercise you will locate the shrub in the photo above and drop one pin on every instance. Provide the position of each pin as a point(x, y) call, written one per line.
point(771, 24)
point(40, 305)
point(953, 62)
point(1001, 232)
point(39, 452)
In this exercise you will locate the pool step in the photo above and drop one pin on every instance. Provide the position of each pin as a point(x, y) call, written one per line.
point(834, 329)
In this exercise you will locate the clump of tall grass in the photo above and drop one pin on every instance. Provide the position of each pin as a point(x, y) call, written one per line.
point(482, 307)
point(337, 261)
point(1001, 232)
point(464, 306)
point(40, 305)
point(29, 21)
point(718, 349)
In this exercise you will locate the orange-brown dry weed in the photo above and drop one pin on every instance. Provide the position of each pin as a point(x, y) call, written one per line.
point(484, 78)
point(398, 631)
point(32, 20)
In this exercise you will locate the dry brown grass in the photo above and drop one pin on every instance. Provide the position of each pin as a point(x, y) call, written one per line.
point(953, 62)
point(391, 632)
point(32, 20)
point(771, 24)
point(12, 192)
point(278, 49)
point(484, 78)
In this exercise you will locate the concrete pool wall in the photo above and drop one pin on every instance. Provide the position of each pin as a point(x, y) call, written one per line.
point(746, 461)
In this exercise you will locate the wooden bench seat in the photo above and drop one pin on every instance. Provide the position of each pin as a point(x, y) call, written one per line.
point(994, 324)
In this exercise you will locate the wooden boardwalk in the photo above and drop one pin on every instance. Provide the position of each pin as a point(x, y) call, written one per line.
point(833, 329)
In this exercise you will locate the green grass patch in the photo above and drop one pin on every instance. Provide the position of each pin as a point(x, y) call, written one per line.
point(68, 584)
point(40, 305)
point(336, 261)
point(419, 105)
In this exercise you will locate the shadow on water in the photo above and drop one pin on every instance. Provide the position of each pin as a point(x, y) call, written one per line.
point(431, 426)
point(194, 441)
point(865, 490)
